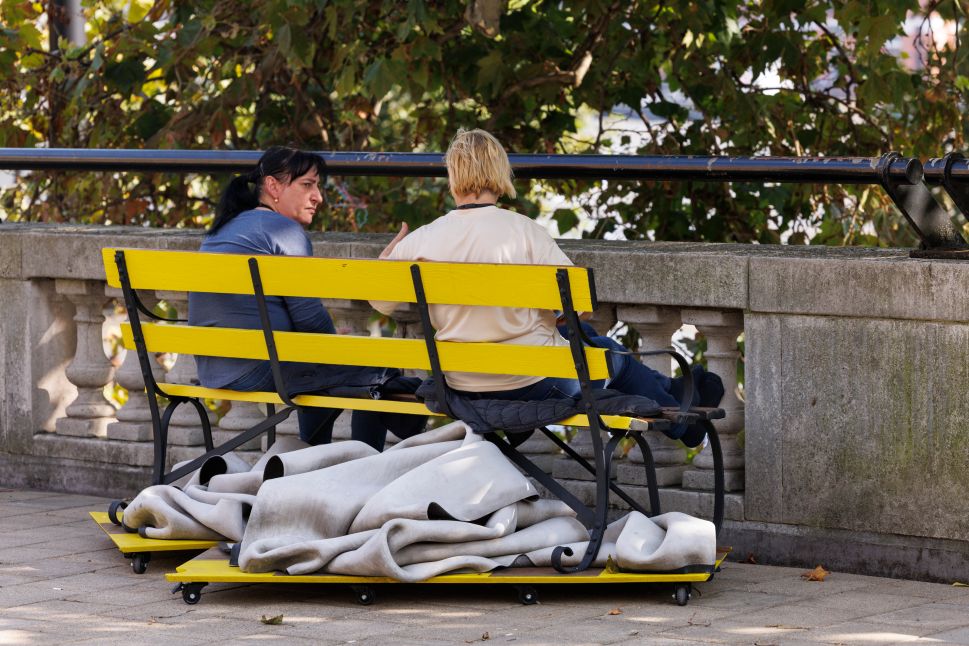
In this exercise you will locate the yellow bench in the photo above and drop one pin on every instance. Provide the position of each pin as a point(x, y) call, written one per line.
point(569, 289)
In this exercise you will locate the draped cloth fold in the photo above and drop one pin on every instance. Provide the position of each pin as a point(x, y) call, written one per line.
point(443, 501)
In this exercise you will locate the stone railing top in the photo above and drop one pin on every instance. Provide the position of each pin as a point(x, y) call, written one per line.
point(863, 282)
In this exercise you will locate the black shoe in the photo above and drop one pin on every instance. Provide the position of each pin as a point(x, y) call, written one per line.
point(693, 436)
point(709, 388)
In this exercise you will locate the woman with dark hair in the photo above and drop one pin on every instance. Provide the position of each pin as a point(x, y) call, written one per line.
point(264, 212)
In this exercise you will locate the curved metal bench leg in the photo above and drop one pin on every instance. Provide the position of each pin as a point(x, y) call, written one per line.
point(616, 489)
point(206, 426)
point(603, 457)
point(161, 441)
point(650, 465)
point(718, 482)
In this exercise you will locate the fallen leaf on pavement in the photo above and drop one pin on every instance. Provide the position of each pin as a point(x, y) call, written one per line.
point(817, 574)
point(272, 621)
point(615, 611)
point(960, 584)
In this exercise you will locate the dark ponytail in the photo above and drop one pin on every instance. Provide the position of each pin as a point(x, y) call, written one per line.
point(242, 193)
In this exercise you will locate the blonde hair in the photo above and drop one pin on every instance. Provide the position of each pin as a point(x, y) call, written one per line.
point(476, 162)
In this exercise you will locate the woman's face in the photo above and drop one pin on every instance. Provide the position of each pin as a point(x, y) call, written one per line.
point(298, 199)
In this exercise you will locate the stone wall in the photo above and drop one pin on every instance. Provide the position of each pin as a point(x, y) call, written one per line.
point(851, 448)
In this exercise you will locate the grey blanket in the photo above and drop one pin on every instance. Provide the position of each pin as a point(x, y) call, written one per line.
point(443, 501)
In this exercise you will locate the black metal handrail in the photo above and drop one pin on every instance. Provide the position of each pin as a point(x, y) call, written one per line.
point(901, 177)
point(952, 173)
point(834, 170)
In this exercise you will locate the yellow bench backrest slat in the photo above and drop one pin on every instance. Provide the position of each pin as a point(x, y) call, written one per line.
point(489, 358)
point(352, 279)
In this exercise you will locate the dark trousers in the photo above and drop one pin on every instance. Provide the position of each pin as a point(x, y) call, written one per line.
point(316, 424)
point(631, 377)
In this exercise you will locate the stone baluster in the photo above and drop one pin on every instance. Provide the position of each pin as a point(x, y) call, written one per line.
point(721, 328)
point(656, 326)
point(90, 371)
point(408, 320)
point(288, 427)
point(349, 317)
point(134, 418)
point(604, 318)
point(541, 451)
point(185, 428)
point(241, 417)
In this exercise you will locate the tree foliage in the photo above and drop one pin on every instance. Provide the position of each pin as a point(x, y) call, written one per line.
point(704, 77)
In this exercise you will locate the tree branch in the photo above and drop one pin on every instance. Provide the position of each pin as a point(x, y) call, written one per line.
point(581, 59)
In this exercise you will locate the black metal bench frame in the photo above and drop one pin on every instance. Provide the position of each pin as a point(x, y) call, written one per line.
point(595, 518)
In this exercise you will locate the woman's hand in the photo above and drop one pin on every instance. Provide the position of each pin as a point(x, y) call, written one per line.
point(393, 243)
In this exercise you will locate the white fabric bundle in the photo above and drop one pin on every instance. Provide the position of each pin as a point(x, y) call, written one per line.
point(443, 501)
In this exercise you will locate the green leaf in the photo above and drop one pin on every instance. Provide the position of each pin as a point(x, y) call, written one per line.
point(566, 219)
point(283, 38)
point(30, 35)
point(125, 75)
point(419, 75)
point(346, 82)
point(97, 59)
point(138, 9)
point(878, 30)
point(666, 109)
point(187, 33)
point(153, 117)
point(32, 61)
point(492, 70)
point(378, 78)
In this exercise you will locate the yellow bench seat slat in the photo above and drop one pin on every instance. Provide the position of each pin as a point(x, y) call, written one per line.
point(380, 405)
point(532, 286)
point(490, 358)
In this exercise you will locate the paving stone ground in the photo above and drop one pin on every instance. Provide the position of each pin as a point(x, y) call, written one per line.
point(62, 582)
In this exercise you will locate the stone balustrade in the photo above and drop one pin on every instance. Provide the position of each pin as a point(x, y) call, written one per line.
point(850, 449)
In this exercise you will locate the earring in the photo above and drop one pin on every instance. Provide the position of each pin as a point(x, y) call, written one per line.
point(276, 200)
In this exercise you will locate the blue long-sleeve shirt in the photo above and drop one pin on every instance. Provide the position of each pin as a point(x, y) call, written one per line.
point(256, 232)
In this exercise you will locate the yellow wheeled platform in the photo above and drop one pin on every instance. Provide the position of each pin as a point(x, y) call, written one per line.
point(140, 549)
point(213, 566)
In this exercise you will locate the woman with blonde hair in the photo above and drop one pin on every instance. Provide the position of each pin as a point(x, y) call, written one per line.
point(480, 231)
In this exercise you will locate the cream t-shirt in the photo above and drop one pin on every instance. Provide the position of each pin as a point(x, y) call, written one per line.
point(485, 235)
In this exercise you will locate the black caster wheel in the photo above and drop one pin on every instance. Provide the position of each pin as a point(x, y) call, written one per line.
point(365, 594)
point(139, 562)
point(114, 508)
point(192, 592)
point(682, 594)
point(527, 595)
